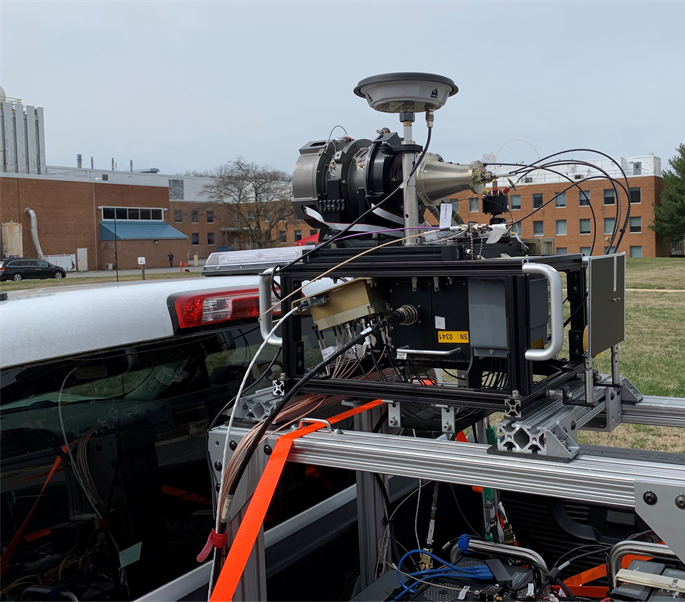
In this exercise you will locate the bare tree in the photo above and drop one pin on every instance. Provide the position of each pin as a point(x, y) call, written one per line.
point(256, 198)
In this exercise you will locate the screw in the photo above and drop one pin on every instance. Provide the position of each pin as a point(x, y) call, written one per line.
point(267, 449)
point(233, 444)
point(649, 497)
point(392, 421)
point(680, 501)
point(573, 424)
point(217, 465)
point(492, 351)
point(217, 487)
point(446, 426)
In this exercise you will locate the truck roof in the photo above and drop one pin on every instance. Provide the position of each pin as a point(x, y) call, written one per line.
point(37, 326)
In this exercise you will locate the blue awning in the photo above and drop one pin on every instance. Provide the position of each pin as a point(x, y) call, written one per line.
point(144, 229)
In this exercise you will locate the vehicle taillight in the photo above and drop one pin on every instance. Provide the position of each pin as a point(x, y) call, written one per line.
point(199, 309)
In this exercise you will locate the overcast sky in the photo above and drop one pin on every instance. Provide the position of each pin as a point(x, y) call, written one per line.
point(188, 86)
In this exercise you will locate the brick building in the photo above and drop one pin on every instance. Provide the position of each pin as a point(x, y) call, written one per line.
point(568, 219)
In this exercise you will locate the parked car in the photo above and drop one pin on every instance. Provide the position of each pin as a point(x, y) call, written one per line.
point(17, 269)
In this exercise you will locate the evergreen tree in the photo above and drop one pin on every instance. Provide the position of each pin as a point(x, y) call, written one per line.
point(669, 219)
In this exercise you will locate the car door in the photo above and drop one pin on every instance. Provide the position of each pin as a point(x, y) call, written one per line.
point(30, 269)
point(45, 269)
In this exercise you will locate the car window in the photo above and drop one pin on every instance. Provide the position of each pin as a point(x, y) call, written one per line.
point(29, 262)
point(43, 263)
point(136, 488)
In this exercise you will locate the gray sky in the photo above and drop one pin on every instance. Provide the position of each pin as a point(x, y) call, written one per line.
point(186, 85)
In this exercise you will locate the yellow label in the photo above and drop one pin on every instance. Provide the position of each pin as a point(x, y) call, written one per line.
point(453, 336)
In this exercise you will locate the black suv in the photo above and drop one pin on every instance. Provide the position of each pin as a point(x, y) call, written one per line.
point(17, 269)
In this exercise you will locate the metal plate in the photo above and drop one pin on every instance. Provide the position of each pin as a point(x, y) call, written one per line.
point(606, 307)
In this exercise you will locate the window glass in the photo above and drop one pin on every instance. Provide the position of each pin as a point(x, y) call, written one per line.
point(515, 201)
point(157, 214)
point(455, 205)
point(585, 250)
point(609, 196)
point(43, 264)
point(635, 195)
point(210, 238)
point(236, 218)
point(562, 250)
point(282, 236)
point(583, 198)
point(122, 213)
point(636, 251)
point(145, 214)
point(195, 238)
point(560, 201)
point(108, 213)
point(267, 215)
point(298, 235)
point(538, 229)
point(636, 224)
point(609, 250)
point(281, 214)
point(194, 216)
point(561, 227)
point(178, 215)
point(250, 215)
point(136, 421)
point(210, 217)
point(473, 204)
point(537, 201)
point(609, 225)
point(133, 213)
point(585, 226)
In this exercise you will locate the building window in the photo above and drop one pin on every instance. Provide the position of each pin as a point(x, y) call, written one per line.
point(636, 251)
point(250, 215)
point(560, 200)
point(194, 217)
point(157, 214)
point(609, 196)
point(473, 204)
point(298, 235)
point(562, 250)
point(585, 226)
point(146, 214)
point(195, 238)
point(267, 216)
point(585, 250)
point(635, 195)
point(105, 177)
point(236, 218)
point(584, 199)
point(538, 229)
point(121, 213)
point(636, 224)
point(455, 205)
point(515, 202)
point(537, 201)
point(108, 213)
point(312, 232)
point(178, 215)
point(281, 213)
point(516, 228)
point(637, 170)
point(609, 250)
point(561, 227)
point(210, 217)
point(282, 236)
point(210, 238)
point(133, 213)
point(176, 189)
point(609, 224)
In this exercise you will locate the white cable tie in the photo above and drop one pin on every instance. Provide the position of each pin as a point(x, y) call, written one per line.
point(225, 509)
point(365, 331)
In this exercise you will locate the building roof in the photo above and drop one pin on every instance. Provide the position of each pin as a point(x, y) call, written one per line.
point(145, 229)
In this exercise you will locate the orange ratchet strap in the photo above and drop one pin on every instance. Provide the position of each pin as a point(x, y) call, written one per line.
point(254, 516)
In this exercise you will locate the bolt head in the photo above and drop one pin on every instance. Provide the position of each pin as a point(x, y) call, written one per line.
point(267, 449)
point(650, 498)
point(233, 444)
point(217, 465)
point(680, 501)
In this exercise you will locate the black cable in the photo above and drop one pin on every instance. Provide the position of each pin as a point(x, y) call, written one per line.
point(359, 218)
point(266, 423)
point(618, 165)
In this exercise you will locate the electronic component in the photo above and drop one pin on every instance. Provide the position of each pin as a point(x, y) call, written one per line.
point(663, 595)
point(637, 592)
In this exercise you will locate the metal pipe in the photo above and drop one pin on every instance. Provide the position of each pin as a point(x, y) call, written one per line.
point(556, 311)
point(634, 547)
point(615, 369)
point(34, 231)
point(507, 550)
point(411, 203)
point(266, 322)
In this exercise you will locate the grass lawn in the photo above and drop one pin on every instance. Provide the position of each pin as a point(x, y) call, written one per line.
point(655, 273)
point(87, 280)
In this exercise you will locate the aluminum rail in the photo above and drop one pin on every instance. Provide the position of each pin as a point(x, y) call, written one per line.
point(655, 410)
point(634, 547)
point(598, 479)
